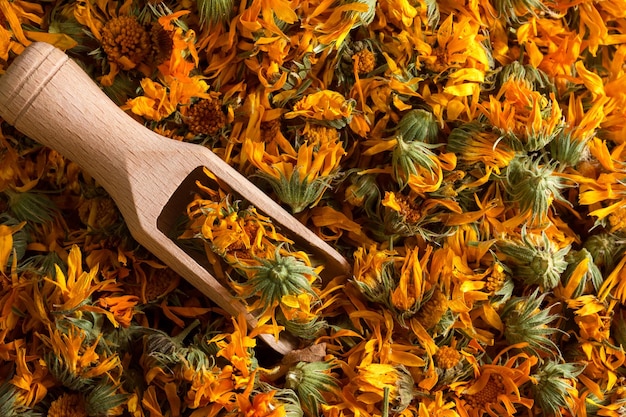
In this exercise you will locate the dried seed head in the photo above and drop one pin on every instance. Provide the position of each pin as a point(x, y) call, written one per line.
point(125, 41)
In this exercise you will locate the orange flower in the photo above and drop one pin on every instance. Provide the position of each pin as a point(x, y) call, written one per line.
point(323, 105)
point(496, 389)
point(122, 307)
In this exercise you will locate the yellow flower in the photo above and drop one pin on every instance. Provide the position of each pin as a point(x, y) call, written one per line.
point(32, 384)
point(236, 347)
point(122, 307)
point(77, 285)
point(495, 390)
point(376, 382)
point(300, 180)
point(473, 142)
point(263, 404)
point(74, 360)
point(459, 45)
point(161, 100)
point(238, 235)
point(324, 105)
point(369, 268)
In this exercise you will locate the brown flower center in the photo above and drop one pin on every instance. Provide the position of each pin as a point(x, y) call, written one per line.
point(162, 43)
point(270, 130)
point(124, 39)
point(408, 209)
point(488, 395)
point(206, 117)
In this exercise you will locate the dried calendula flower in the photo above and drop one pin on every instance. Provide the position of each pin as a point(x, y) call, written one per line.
point(373, 272)
point(568, 149)
point(535, 260)
point(533, 186)
point(581, 273)
point(433, 309)
point(327, 106)
point(300, 179)
point(475, 142)
point(408, 156)
point(363, 191)
point(418, 125)
point(605, 249)
point(382, 382)
point(11, 403)
point(126, 41)
point(555, 383)
point(527, 320)
point(364, 61)
point(276, 278)
point(206, 117)
point(310, 380)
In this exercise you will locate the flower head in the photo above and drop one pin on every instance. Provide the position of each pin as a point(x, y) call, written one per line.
point(534, 187)
point(536, 259)
point(125, 41)
point(324, 106)
point(527, 321)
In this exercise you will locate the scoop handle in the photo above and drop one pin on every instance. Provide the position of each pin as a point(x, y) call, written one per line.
point(48, 97)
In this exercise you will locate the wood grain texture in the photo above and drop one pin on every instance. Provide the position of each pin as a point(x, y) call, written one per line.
point(48, 97)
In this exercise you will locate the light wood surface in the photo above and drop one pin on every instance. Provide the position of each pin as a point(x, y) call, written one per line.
point(48, 97)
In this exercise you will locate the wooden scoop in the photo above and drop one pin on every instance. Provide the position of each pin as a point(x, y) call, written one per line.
point(49, 98)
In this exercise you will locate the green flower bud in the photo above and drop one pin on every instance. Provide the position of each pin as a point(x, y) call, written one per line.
point(418, 125)
point(536, 260)
point(526, 320)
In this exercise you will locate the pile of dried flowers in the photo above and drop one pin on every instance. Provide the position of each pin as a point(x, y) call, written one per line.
point(467, 157)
